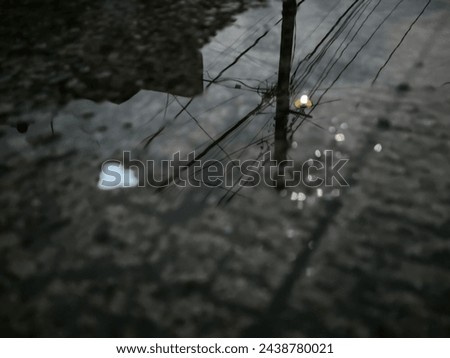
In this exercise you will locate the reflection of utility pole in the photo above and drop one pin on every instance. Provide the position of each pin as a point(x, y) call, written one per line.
point(284, 72)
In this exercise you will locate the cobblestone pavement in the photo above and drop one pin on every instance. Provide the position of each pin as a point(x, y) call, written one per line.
point(371, 260)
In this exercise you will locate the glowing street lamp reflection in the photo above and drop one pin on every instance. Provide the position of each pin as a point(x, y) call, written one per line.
point(303, 102)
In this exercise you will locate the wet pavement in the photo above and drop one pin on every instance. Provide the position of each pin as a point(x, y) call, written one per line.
point(369, 260)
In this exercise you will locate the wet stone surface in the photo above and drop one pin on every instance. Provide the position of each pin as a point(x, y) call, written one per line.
point(368, 260)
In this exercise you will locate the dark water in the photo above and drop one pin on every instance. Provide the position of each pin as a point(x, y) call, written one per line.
point(81, 82)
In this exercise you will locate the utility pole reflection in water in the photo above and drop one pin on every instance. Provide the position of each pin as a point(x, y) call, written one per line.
point(284, 71)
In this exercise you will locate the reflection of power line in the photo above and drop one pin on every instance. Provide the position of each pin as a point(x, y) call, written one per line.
point(231, 46)
point(401, 41)
point(322, 21)
point(327, 45)
point(360, 50)
point(332, 64)
point(307, 57)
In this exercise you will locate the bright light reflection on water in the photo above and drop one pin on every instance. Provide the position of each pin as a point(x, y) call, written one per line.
point(114, 176)
point(340, 137)
point(378, 148)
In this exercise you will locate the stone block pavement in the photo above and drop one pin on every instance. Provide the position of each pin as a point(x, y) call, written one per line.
point(371, 261)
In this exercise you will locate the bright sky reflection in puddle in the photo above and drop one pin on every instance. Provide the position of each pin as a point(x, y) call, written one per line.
point(114, 176)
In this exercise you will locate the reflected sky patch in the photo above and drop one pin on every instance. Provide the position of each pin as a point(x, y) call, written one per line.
point(114, 176)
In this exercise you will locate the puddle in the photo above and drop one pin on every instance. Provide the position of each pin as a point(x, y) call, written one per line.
point(219, 82)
